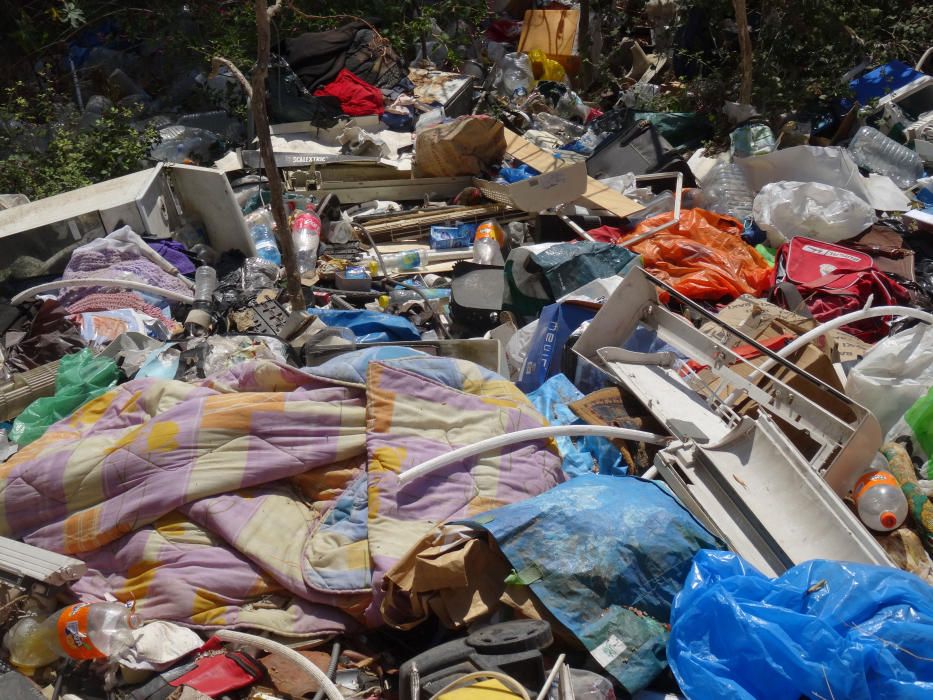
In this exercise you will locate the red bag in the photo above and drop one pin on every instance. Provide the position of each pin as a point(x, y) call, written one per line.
point(217, 671)
point(832, 280)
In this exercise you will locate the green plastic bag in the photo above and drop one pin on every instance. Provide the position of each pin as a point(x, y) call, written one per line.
point(920, 419)
point(81, 377)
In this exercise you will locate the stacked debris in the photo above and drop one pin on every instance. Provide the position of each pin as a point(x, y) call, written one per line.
point(572, 407)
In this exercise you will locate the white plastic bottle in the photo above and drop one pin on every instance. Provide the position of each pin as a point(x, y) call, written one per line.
point(306, 232)
point(874, 151)
point(879, 501)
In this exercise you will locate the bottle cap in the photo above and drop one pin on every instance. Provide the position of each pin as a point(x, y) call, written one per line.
point(888, 520)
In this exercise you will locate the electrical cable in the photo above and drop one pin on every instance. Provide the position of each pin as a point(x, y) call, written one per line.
point(331, 668)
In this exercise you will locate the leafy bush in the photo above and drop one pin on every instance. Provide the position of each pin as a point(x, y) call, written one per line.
point(44, 150)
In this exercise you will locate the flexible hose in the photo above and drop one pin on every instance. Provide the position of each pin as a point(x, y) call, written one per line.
point(828, 326)
point(126, 284)
point(330, 690)
point(527, 435)
point(838, 322)
point(331, 669)
point(507, 681)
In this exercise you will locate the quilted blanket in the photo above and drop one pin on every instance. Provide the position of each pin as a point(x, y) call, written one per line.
point(267, 497)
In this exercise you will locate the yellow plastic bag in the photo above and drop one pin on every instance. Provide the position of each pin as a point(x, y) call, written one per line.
point(545, 68)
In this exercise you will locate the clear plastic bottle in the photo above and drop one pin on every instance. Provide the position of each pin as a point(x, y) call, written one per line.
point(487, 252)
point(726, 191)
point(876, 152)
point(85, 631)
point(404, 261)
point(879, 501)
point(558, 126)
point(306, 232)
point(205, 282)
point(261, 230)
point(517, 76)
point(402, 294)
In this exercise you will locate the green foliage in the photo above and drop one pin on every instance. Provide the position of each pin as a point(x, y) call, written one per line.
point(801, 48)
point(43, 150)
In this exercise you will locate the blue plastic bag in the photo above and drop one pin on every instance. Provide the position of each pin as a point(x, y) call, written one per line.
point(555, 326)
point(369, 326)
point(591, 550)
point(580, 454)
point(823, 629)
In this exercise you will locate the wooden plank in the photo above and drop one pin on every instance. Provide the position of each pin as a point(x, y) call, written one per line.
point(597, 195)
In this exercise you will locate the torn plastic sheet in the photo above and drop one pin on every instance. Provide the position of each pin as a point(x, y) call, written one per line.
point(828, 166)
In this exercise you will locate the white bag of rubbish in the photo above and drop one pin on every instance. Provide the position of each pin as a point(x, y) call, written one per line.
point(829, 214)
point(891, 376)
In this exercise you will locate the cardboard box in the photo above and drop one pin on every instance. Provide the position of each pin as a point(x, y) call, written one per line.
point(555, 33)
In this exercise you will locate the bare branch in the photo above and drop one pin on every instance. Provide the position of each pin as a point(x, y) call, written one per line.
point(264, 136)
point(218, 61)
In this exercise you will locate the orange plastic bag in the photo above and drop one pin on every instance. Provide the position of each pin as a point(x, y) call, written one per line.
point(703, 256)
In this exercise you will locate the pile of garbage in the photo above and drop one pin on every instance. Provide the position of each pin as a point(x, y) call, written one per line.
point(572, 406)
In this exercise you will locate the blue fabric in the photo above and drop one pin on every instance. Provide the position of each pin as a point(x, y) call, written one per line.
point(595, 546)
point(823, 629)
point(883, 80)
point(551, 400)
point(369, 326)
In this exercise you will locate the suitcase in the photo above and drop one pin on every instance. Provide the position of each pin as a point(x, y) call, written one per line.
point(640, 150)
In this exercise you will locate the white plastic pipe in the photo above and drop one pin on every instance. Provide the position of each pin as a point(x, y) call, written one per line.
point(89, 282)
point(828, 326)
point(527, 435)
point(838, 322)
point(330, 690)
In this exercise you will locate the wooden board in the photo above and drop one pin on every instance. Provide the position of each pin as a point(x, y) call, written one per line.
point(597, 195)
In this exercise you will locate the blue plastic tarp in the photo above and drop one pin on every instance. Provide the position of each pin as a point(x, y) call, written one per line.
point(596, 549)
point(823, 629)
point(369, 326)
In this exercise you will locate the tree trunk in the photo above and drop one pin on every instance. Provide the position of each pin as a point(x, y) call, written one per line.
point(261, 120)
point(745, 51)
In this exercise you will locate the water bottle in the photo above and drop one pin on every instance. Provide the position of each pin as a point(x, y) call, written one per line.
point(874, 151)
point(83, 632)
point(261, 227)
point(517, 75)
point(487, 252)
point(198, 322)
point(404, 261)
point(558, 126)
point(726, 191)
point(306, 232)
point(401, 295)
point(879, 501)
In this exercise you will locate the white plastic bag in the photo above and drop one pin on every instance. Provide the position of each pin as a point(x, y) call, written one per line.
point(829, 214)
point(894, 374)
